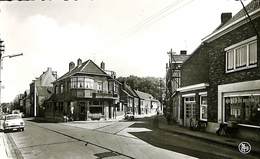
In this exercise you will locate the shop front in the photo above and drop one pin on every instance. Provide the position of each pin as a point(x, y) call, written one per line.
point(194, 105)
point(239, 103)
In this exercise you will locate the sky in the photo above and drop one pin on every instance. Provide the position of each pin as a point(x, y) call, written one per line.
point(132, 37)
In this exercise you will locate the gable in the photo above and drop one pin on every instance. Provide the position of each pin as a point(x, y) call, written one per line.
point(92, 68)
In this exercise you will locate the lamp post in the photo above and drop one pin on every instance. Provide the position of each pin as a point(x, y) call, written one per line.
point(1, 59)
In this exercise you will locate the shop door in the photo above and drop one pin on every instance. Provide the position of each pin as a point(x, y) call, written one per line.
point(190, 111)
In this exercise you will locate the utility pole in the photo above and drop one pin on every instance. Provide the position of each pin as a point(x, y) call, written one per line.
point(2, 49)
point(1, 53)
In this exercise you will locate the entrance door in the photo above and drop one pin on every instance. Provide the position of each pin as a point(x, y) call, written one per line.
point(189, 110)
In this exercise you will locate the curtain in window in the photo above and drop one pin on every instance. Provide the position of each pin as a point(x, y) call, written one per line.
point(241, 56)
point(252, 53)
point(230, 59)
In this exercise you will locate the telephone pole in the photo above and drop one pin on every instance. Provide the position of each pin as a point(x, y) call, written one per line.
point(2, 49)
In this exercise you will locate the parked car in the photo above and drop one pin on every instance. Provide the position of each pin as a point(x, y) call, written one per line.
point(11, 122)
point(129, 116)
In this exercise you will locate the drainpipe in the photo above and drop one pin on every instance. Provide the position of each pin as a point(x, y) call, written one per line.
point(35, 114)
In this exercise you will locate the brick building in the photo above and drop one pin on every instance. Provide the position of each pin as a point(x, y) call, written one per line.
point(85, 92)
point(194, 88)
point(234, 73)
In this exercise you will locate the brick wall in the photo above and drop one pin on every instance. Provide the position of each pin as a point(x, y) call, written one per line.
point(217, 61)
point(195, 69)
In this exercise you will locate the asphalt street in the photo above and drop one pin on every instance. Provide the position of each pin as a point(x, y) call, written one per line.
point(111, 139)
point(56, 140)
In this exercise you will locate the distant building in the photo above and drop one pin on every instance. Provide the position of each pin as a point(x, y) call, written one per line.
point(129, 99)
point(147, 103)
point(85, 92)
point(40, 89)
point(173, 82)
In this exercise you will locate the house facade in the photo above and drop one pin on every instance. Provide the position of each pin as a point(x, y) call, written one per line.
point(129, 99)
point(85, 92)
point(220, 81)
point(173, 82)
point(194, 88)
point(40, 89)
point(234, 73)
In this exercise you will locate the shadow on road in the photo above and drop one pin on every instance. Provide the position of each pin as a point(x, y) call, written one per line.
point(41, 121)
point(168, 141)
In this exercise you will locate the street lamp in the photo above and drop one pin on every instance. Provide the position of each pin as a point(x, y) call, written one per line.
point(1, 59)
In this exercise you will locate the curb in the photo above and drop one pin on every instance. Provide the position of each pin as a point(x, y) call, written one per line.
point(15, 152)
point(5, 152)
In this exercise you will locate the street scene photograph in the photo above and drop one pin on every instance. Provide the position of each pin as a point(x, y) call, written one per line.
point(129, 79)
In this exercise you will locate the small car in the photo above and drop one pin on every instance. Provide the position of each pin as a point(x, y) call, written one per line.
point(12, 122)
point(129, 116)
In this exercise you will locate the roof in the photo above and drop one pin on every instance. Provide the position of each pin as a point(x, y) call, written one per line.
point(180, 58)
point(87, 67)
point(144, 95)
point(129, 90)
point(251, 8)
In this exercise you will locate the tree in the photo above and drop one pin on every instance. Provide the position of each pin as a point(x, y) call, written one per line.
point(152, 85)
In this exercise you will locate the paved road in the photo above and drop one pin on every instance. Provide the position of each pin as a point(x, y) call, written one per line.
point(52, 140)
point(108, 139)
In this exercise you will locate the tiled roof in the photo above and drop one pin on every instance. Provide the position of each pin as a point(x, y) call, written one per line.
point(179, 58)
point(251, 7)
point(144, 95)
point(87, 67)
point(129, 90)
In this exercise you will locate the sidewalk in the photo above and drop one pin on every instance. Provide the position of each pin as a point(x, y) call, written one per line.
point(4, 150)
point(231, 142)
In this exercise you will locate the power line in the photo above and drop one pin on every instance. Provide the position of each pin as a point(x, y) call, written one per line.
point(163, 13)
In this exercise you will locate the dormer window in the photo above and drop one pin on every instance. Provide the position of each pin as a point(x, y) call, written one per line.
point(242, 55)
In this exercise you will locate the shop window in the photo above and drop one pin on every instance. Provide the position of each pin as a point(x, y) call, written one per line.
point(243, 109)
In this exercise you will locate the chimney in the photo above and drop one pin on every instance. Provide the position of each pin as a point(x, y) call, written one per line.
point(183, 52)
point(225, 17)
point(54, 73)
point(49, 69)
point(102, 65)
point(79, 62)
point(71, 66)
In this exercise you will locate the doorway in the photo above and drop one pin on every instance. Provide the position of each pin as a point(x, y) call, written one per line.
point(189, 110)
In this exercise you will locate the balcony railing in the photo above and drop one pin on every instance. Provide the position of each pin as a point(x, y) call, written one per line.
point(92, 94)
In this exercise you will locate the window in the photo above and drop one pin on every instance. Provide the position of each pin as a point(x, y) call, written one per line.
point(80, 82)
point(242, 55)
point(230, 60)
point(56, 89)
point(99, 86)
point(203, 108)
point(61, 88)
point(252, 53)
point(89, 83)
point(243, 109)
point(74, 82)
